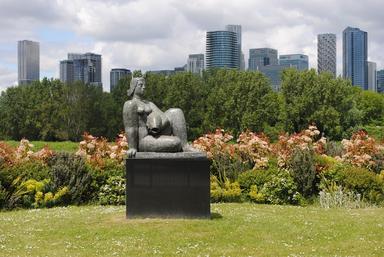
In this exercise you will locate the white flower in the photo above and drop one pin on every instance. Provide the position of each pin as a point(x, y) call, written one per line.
point(90, 146)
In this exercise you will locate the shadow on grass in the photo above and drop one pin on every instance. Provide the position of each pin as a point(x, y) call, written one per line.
point(216, 216)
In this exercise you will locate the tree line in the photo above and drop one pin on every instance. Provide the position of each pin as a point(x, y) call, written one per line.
point(234, 100)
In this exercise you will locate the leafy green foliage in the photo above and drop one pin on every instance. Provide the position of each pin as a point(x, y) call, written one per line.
point(302, 168)
point(113, 192)
point(225, 192)
point(281, 189)
point(356, 179)
point(69, 170)
point(310, 98)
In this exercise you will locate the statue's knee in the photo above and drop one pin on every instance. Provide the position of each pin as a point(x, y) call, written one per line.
point(175, 111)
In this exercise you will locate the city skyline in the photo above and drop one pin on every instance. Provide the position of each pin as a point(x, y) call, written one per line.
point(161, 35)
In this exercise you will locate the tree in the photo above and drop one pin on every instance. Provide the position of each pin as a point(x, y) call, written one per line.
point(310, 98)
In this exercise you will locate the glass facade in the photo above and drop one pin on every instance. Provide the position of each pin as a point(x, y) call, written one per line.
point(355, 49)
point(66, 71)
point(372, 80)
point(86, 68)
point(116, 75)
point(237, 30)
point(222, 50)
point(259, 57)
point(273, 73)
point(380, 81)
point(28, 61)
point(298, 61)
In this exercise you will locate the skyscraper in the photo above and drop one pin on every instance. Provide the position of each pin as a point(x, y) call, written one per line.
point(259, 57)
point(222, 50)
point(355, 52)
point(326, 53)
point(298, 61)
point(237, 30)
point(66, 71)
point(372, 78)
point(28, 60)
point(195, 63)
point(84, 67)
point(115, 75)
point(380, 81)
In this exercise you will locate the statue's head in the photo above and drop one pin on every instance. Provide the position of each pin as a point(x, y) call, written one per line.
point(137, 86)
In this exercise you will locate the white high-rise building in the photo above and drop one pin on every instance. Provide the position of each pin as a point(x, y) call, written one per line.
point(28, 60)
point(372, 77)
point(326, 53)
point(195, 63)
point(237, 30)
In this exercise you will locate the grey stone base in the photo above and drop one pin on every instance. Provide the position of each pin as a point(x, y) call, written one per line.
point(168, 185)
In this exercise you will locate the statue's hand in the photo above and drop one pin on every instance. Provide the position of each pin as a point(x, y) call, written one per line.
point(131, 152)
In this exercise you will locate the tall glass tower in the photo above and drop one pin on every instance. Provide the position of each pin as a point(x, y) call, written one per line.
point(355, 52)
point(237, 30)
point(82, 67)
point(222, 50)
point(28, 60)
point(380, 81)
point(115, 76)
point(372, 77)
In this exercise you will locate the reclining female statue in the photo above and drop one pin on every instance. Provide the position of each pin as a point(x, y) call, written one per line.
point(148, 129)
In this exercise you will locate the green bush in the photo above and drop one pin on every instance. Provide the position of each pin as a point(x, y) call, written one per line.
point(281, 189)
point(25, 170)
point(100, 175)
point(255, 177)
point(113, 192)
point(69, 170)
point(358, 180)
point(225, 192)
point(3, 196)
point(224, 167)
point(303, 171)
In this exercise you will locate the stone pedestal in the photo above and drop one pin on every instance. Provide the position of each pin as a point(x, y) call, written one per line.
point(168, 185)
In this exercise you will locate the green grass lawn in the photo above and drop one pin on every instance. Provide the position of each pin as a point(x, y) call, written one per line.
point(235, 230)
point(65, 146)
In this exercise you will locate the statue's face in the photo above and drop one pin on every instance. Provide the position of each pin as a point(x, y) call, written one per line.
point(140, 87)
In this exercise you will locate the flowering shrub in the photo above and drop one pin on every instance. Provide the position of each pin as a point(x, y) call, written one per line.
point(304, 140)
point(23, 153)
point(253, 148)
point(95, 149)
point(215, 143)
point(230, 159)
point(362, 150)
point(222, 154)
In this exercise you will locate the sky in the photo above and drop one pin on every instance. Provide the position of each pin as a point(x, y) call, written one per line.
point(160, 34)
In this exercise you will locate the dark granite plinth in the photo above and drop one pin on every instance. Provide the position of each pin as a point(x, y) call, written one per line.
point(168, 185)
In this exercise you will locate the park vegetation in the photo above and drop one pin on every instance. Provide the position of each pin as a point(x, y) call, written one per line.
point(310, 142)
point(228, 99)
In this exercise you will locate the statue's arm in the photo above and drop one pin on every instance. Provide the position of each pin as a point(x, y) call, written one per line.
point(131, 126)
point(165, 123)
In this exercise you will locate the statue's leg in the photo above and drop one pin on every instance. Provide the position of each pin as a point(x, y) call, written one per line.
point(178, 124)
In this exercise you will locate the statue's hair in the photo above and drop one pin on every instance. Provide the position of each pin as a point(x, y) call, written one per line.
point(133, 85)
